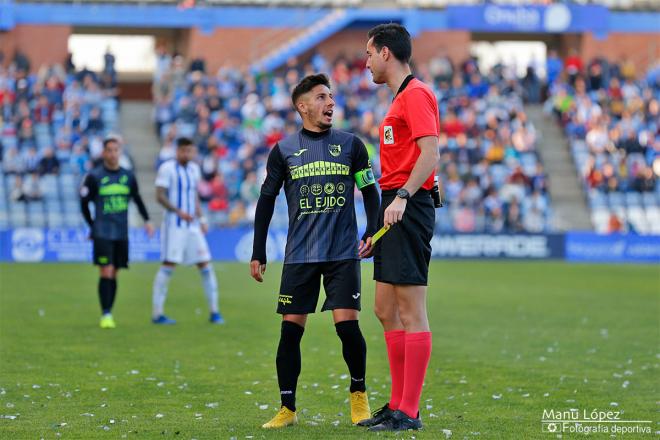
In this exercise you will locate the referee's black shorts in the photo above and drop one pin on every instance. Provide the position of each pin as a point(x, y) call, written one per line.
point(111, 253)
point(402, 256)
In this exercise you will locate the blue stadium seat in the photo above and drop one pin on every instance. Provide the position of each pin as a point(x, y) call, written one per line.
point(17, 214)
point(9, 141)
point(637, 218)
point(43, 141)
point(499, 174)
point(597, 199)
point(185, 130)
point(600, 218)
point(615, 200)
point(443, 221)
point(71, 206)
point(54, 219)
point(72, 219)
point(633, 199)
point(48, 185)
point(68, 187)
point(36, 214)
point(53, 205)
point(4, 219)
point(649, 200)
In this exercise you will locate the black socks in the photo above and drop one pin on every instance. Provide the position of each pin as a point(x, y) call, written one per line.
point(354, 349)
point(288, 362)
point(107, 292)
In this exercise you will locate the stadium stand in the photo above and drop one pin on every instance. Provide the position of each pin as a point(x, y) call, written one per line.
point(612, 4)
point(612, 119)
point(51, 129)
point(492, 174)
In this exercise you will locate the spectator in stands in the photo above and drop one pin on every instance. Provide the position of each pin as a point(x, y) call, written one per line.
point(573, 65)
point(513, 222)
point(644, 180)
point(31, 188)
point(614, 225)
point(31, 160)
point(109, 63)
point(49, 163)
point(553, 66)
point(236, 118)
point(12, 162)
point(94, 124)
point(43, 111)
point(532, 86)
point(80, 160)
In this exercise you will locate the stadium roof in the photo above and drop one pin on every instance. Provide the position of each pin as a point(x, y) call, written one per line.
point(653, 5)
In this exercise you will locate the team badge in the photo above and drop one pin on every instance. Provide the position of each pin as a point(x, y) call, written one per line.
point(335, 150)
point(317, 189)
point(388, 135)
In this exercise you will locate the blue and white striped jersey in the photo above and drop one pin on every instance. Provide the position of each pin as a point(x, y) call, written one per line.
point(181, 183)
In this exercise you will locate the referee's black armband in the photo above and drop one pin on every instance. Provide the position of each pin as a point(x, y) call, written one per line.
point(262, 217)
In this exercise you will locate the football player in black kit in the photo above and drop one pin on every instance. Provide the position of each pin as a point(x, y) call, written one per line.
point(110, 187)
point(319, 168)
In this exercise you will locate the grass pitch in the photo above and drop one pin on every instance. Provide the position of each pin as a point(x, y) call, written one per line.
point(510, 340)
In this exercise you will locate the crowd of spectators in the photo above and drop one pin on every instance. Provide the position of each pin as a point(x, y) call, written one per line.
point(611, 116)
point(492, 175)
point(52, 123)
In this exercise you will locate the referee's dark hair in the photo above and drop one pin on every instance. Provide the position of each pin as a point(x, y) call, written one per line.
point(183, 142)
point(307, 84)
point(395, 37)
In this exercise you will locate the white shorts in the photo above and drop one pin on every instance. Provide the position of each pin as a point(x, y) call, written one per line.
point(183, 245)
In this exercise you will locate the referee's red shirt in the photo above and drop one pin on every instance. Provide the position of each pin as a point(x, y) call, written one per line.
point(412, 115)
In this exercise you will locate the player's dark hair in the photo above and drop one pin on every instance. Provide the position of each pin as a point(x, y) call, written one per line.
point(395, 37)
point(307, 84)
point(183, 142)
point(108, 140)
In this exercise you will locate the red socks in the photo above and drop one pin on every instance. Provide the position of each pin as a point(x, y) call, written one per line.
point(418, 353)
point(409, 355)
point(396, 352)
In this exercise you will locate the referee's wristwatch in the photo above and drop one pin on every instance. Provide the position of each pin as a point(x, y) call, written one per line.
point(403, 194)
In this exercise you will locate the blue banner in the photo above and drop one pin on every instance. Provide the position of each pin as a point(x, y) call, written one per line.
point(588, 247)
point(71, 244)
point(513, 246)
point(553, 18)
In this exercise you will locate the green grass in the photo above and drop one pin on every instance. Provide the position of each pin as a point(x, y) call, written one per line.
point(540, 335)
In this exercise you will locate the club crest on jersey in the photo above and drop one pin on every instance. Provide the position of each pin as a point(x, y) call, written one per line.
point(388, 135)
point(335, 150)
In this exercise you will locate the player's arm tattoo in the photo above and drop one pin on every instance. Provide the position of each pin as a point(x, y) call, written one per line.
point(163, 200)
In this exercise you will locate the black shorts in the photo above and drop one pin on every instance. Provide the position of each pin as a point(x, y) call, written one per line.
point(111, 252)
point(402, 255)
point(301, 283)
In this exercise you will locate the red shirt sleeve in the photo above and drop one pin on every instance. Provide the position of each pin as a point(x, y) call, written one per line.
point(422, 113)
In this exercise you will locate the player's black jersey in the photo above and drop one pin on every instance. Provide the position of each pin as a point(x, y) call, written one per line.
point(110, 191)
point(319, 172)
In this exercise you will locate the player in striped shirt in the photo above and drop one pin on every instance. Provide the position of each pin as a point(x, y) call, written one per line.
point(182, 233)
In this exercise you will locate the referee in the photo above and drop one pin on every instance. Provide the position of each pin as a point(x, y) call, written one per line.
point(319, 168)
point(408, 154)
point(110, 187)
